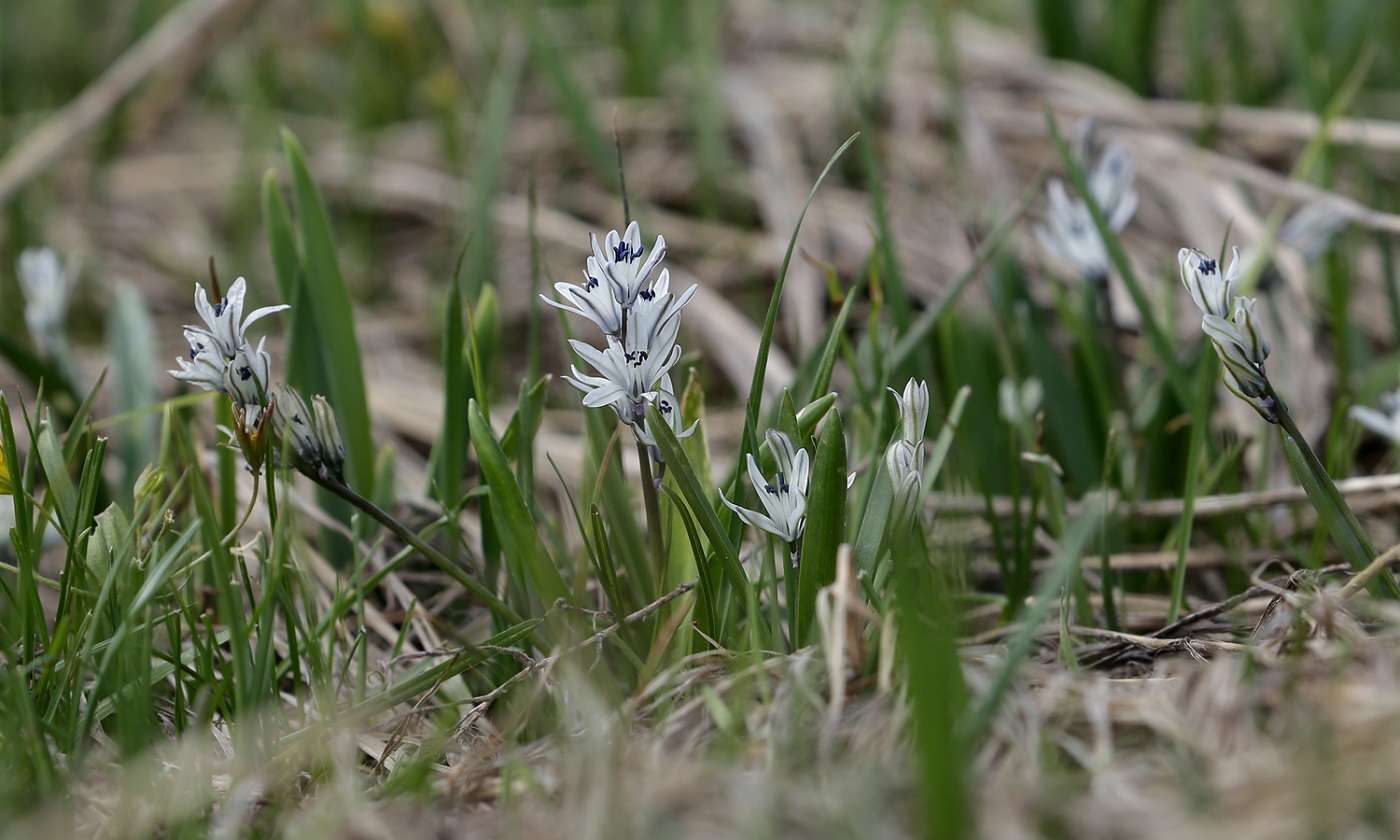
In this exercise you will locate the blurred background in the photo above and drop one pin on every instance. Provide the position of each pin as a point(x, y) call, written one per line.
point(476, 136)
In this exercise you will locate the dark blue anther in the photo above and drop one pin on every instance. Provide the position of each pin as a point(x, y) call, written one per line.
point(622, 252)
point(1207, 266)
point(245, 373)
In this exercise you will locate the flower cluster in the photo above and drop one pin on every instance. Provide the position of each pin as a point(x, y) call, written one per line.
point(784, 498)
point(904, 458)
point(221, 357)
point(1071, 233)
point(1232, 323)
point(640, 319)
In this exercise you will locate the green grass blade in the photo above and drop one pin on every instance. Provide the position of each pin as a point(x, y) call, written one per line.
point(516, 527)
point(749, 442)
point(450, 455)
point(826, 525)
point(1200, 423)
point(132, 347)
point(678, 465)
point(328, 299)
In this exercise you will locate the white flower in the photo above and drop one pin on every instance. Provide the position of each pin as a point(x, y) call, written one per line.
point(785, 497)
point(615, 280)
point(1210, 289)
point(1111, 184)
point(913, 410)
point(225, 325)
point(904, 458)
point(631, 371)
point(1386, 422)
point(205, 366)
point(905, 464)
point(1232, 323)
point(245, 380)
point(47, 287)
point(1071, 233)
point(670, 410)
point(628, 374)
point(223, 342)
point(594, 300)
point(619, 260)
point(1019, 405)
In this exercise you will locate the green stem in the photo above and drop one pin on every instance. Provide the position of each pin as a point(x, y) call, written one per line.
point(1351, 537)
point(453, 570)
point(653, 508)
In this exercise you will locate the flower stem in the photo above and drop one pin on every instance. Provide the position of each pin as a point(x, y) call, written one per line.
point(653, 509)
point(1327, 500)
point(439, 559)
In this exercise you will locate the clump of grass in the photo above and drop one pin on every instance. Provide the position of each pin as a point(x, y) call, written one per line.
point(301, 626)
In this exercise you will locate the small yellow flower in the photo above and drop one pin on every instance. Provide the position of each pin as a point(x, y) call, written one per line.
point(6, 487)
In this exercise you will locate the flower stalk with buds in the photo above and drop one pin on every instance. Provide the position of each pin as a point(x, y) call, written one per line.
point(221, 358)
point(640, 321)
point(1231, 322)
point(904, 457)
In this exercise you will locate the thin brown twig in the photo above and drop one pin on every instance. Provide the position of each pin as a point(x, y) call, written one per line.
point(1115, 653)
point(1382, 486)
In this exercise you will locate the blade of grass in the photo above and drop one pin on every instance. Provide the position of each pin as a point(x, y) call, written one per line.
point(826, 525)
point(1200, 421)
point(749, 441)
point(519, 536)
point(328, 299)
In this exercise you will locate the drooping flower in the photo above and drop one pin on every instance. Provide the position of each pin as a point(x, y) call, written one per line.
point(1232, 323)
point(670, 410)
point(784, 498)
point(245, 380)
point(47, 286)
point(1211, 290)
point(1070, 234)
point(310, 436)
